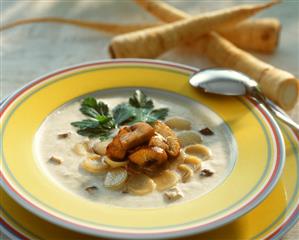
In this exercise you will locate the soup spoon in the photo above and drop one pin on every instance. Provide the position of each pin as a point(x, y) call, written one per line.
point(232, 83)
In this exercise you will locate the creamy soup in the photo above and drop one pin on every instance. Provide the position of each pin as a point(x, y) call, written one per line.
point(70, 176)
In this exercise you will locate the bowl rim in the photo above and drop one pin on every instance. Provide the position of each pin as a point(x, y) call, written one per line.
point(185, 232)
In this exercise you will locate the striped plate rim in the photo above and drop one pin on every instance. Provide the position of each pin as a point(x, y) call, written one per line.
point(22, 200)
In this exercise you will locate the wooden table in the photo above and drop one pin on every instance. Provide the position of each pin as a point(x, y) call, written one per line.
point(30, 51)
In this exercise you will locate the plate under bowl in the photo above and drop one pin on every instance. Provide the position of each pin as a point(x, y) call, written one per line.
point(257, 169)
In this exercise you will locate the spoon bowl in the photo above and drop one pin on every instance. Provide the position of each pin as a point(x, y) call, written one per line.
point(232, 83)
point(222, 81)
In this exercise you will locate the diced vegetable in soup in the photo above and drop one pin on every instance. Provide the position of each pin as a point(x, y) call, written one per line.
point(145, 145)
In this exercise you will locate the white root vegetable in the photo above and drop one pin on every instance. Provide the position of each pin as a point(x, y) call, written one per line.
point(93, 156)
point(114, 164)
point(178, 123)
point(115, 178)
point(189, 137)
point(94, 166)
point(278, 85)
point(98, 26)
point(166, 180)
point(199, 150)
point(83, 148)
point(254, 34)
point(186, 172)
point(194, 161)
point(140, 184)
point(152, 42)
point(100, 147)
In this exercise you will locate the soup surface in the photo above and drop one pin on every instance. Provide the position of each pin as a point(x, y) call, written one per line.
point(70, 176)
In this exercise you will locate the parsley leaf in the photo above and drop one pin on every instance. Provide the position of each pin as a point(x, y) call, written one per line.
point(102, 108)
point(140, 100)
point(103, 119)
point(100, 127)
point(87, 123)
point(88, 111)
point(157, 114)
point(140, 108)
point(92, 108)
point(101, 122)
point(148, 115)
point(123, 113)
point(89, 102)
point(94, 133)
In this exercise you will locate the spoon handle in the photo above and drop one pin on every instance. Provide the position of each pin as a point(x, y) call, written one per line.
point(277, 111)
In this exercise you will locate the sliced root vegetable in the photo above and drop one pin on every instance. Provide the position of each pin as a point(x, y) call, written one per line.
point(178, 123)
point(140, 184)
point(83, 148)
point(93, 156)
point(80, 149)
point(199, 150)
point(166, 180)
point(94, 166)
point(114, 164)
point(100, 147)
point(116, 178)
point(194, 161)
point(186, 172)
point(189, 137)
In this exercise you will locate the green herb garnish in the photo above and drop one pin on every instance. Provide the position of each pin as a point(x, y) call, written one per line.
point(123, 113)
point(92, 108)
point(140, 100)
point(140, 108)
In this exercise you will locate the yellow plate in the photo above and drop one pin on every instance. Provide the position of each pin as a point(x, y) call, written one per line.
point(256, 171)
point(270, 220)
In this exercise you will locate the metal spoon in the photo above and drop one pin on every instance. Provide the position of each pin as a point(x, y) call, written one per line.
point(232, 83)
